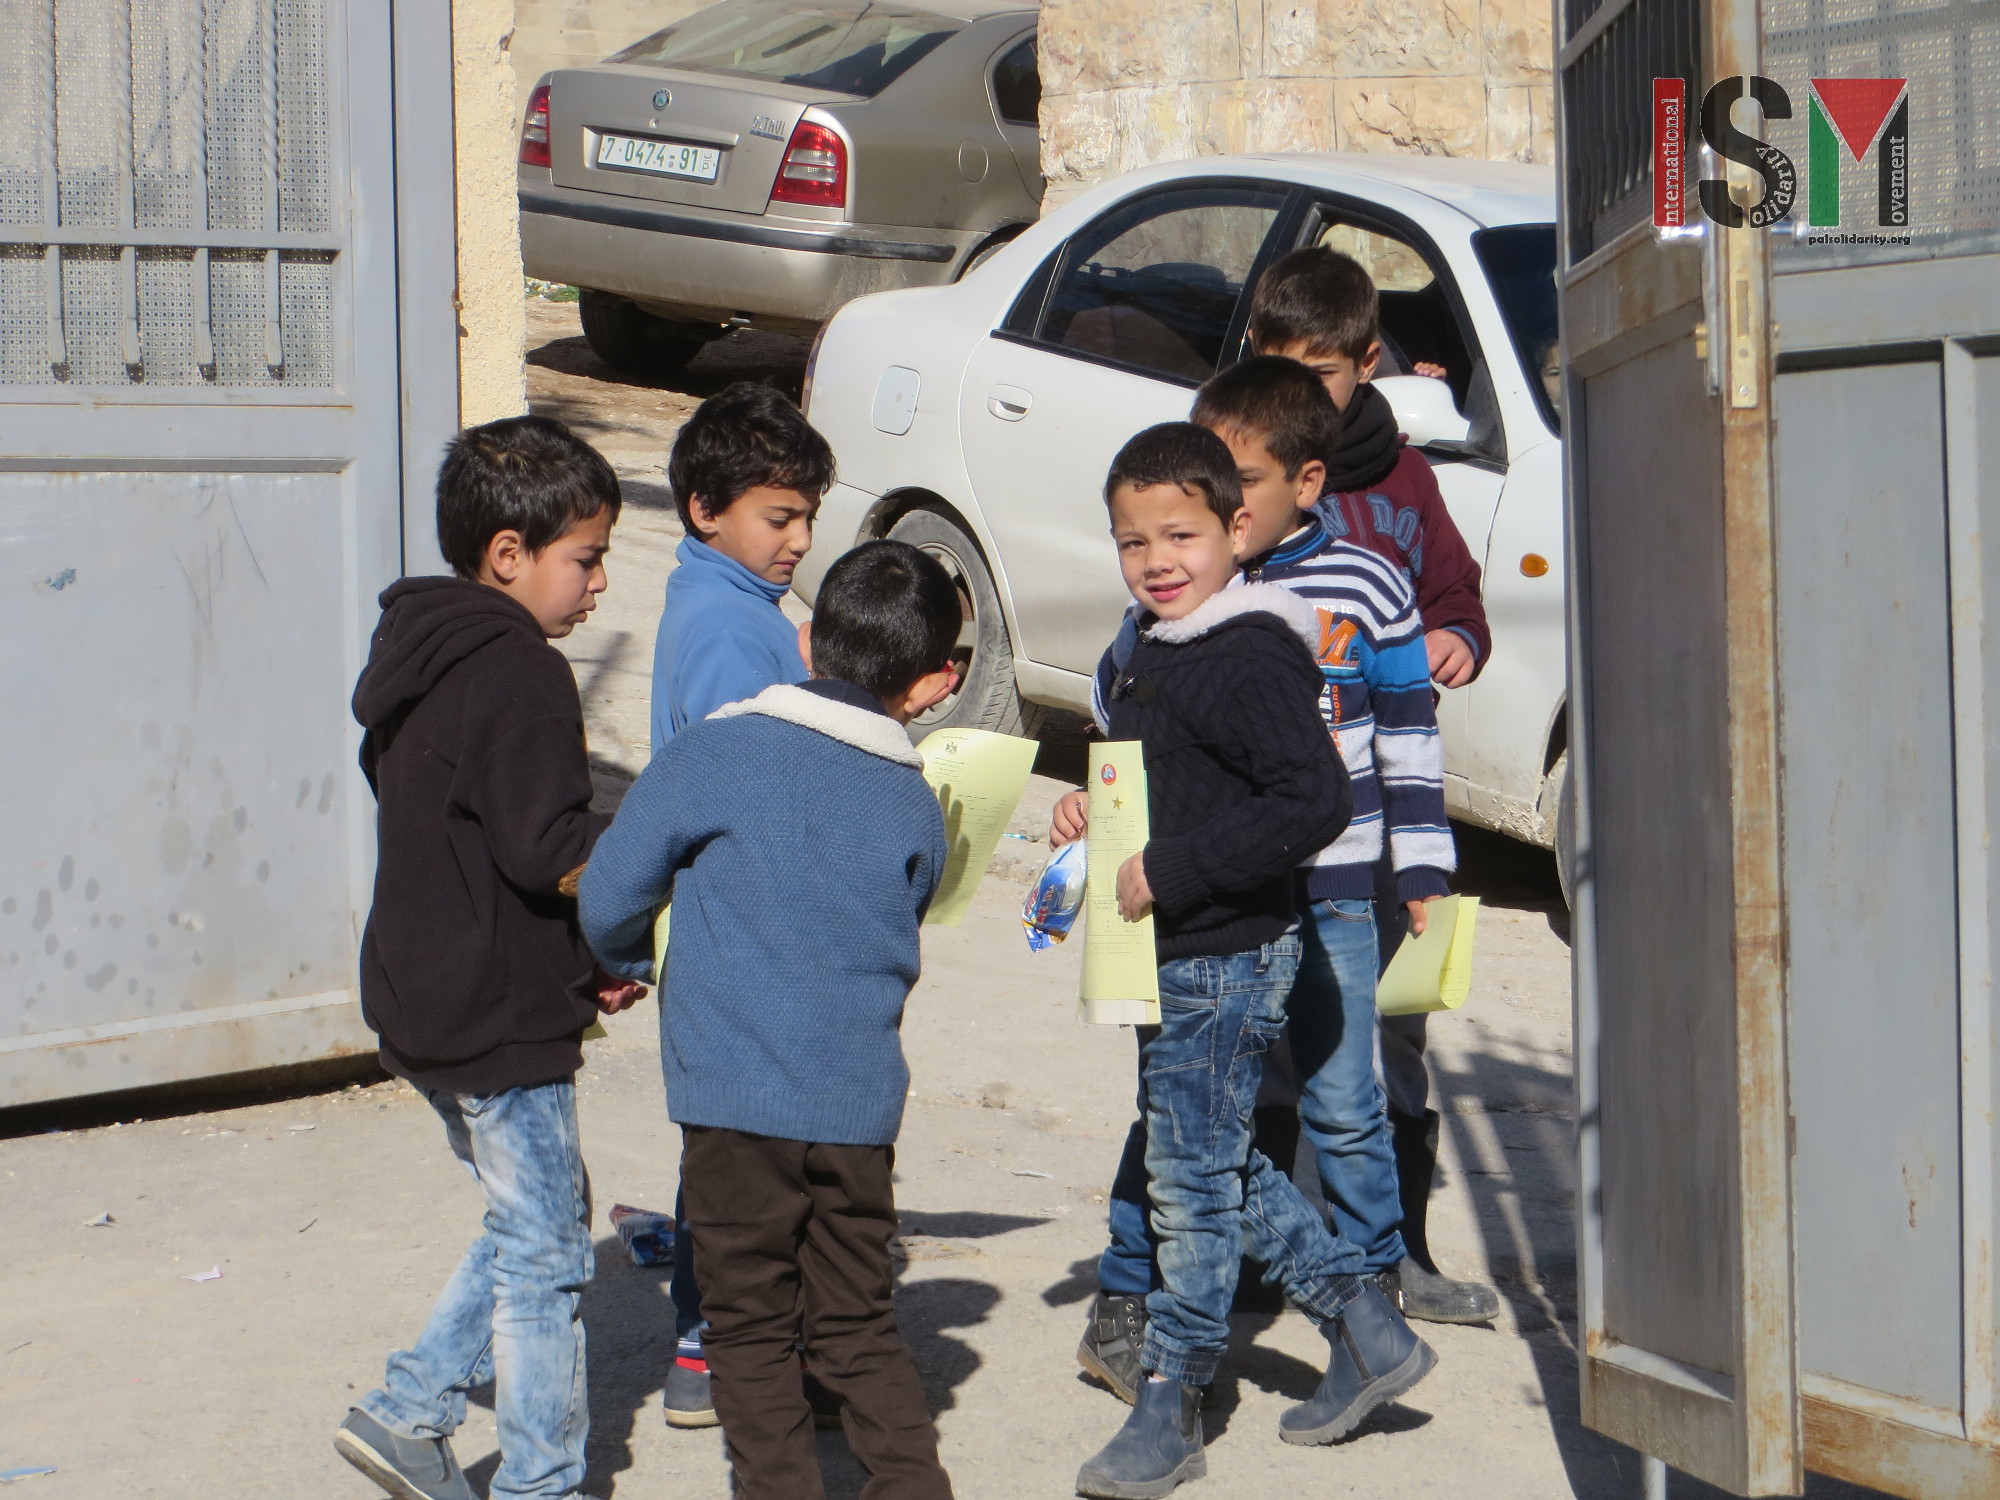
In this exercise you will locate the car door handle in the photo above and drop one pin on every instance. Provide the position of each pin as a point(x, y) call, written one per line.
point(1008, 402)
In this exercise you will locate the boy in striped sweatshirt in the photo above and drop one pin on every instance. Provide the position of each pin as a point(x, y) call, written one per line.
point(1278, 420)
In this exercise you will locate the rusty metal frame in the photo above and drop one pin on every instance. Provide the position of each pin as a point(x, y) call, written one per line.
point(1740, 1430)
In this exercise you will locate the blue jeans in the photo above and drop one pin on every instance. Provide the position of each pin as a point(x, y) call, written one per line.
point(1213, 1196)
point(512, 1311)
point(1332, 1037)
point(1341, 1107)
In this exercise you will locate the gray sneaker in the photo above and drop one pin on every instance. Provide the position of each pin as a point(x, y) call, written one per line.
point(688, 1403)
point(408, 1468)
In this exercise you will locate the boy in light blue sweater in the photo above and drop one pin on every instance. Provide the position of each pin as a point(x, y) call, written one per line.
point(801, 848)
point(747, 472)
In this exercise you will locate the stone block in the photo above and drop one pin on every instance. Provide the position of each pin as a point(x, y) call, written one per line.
point(1517, 41)
point(1077, 134)
point(1095, 44)
point(1421, 116)
point(1291, 114)
point(1394, 38)
point(1510, 124)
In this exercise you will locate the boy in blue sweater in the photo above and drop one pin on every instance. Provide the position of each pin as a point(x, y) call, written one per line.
point(801, 847)
point(747, 472)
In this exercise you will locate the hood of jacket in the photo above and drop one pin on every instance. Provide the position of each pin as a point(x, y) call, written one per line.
point(429, 626)
point(1369, 443)
point(701, 565)
point(1236, 604)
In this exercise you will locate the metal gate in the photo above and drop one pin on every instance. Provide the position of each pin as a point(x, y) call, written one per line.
point(227, 352)
point(1784, 484)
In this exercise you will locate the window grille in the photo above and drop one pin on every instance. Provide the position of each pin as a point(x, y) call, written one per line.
point(167, 208)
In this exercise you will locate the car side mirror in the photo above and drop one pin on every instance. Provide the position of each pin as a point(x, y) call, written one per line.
point(1424, 409)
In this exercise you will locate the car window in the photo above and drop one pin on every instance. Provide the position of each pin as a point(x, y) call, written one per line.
point(847, 46)
point(1419, 324)
point(1155, 284)
point(1017, 86)
point(1520, 265)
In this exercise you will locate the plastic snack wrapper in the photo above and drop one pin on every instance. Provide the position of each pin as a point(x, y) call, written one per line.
point(648, 1236)
point(1052, 905)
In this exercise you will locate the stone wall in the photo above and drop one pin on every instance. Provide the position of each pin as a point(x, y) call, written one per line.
point(565, 33)
point(491, 321)
point(1129, 82)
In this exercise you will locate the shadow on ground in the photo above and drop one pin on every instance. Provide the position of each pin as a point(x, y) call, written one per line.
point(774, 359)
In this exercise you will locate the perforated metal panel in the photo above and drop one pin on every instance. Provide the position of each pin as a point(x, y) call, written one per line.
point(170, 164)
point(228, 353)
point(1950, 52)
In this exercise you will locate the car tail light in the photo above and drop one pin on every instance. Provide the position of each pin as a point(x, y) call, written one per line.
point(535, 129)
point(814, 170)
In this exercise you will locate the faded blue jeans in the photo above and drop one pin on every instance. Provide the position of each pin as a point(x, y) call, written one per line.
point(1331, 1078)
point(1214, 1198)
point(512, 1311)
point(1341, 1107)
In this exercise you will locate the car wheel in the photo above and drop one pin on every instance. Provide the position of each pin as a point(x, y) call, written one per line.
point(1565, 806)
point(628, 338)
point(987, 697)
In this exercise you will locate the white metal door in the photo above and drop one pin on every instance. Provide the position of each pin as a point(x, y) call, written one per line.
point(203, 366)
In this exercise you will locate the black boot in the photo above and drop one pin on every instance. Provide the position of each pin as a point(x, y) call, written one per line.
point(1438, 1299)
point(1111, 1344)
point(1376, 1358)
point(1416, 1285)
point(1416, 1143)
point(1157, 1450)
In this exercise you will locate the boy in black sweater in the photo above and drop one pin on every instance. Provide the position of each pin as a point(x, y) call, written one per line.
point(1222, 691)
point(473, 971)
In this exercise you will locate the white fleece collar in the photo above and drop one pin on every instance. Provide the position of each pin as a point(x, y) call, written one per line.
point(1231, 603)
point(878, 734)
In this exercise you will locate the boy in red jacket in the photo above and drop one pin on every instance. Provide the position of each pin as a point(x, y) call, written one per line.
point(1321, 308)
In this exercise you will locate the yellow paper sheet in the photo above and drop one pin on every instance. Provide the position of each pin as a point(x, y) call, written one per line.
point(660, 924)
point(1432, 972)
point(1121, 973)
point(979, 777)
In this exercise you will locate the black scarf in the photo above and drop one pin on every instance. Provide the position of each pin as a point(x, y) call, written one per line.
point(1369, 444)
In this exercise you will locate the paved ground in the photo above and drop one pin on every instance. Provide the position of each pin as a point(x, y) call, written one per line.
point(335, 1214)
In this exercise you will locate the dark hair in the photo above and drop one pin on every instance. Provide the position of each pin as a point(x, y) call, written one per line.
point(743, 436)
point(1319, 298)
point(1180, 453)
point(526, 474)
point(886, 614)
point(1278, 401)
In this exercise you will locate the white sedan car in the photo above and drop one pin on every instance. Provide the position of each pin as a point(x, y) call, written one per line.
point(977, 420)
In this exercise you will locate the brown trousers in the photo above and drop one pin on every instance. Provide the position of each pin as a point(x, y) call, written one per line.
point(790, 1235)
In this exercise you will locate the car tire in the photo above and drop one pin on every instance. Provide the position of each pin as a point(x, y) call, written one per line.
point(1560, 794)
point(630, 339)
point(987, 697)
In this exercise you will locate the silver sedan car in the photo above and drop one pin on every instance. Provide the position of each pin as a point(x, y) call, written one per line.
point(763, 162)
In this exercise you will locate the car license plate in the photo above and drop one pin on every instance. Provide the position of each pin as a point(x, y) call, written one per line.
point(667, 158)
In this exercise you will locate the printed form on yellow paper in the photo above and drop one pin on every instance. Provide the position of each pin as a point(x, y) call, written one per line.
point(978, 777)
point(1121, 971)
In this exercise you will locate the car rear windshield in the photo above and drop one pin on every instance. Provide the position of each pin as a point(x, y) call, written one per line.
point(854, 48)
point(1520, 263)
